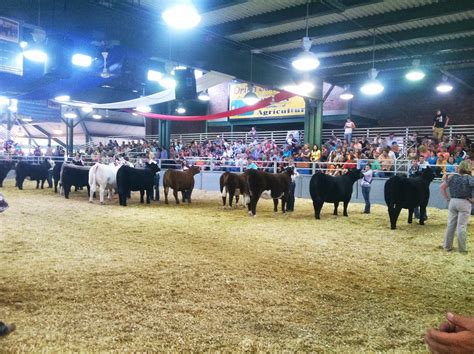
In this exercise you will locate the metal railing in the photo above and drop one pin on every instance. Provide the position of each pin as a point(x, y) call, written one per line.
point(397, 167)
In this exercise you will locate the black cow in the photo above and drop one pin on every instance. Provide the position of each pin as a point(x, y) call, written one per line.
point(136, 179)
point(233, 184)
point(408, 193)
point(277, 183)
point(38, 173)
point(326, 188)
point(72, 175)
point(5, 167)
point(57, 175)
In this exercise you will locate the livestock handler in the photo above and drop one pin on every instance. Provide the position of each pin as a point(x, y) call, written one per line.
point(4, 327)
point(461, 187)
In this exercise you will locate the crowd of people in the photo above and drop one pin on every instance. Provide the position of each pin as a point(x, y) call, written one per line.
point(335, 156)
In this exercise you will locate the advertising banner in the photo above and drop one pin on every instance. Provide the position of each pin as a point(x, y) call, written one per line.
point(11, 59)
point(291, 107)
point(9, 30)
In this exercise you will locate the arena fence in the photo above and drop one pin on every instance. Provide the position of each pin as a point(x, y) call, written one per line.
point(397, 167)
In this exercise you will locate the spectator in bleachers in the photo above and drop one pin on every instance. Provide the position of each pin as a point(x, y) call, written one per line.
point(440, 122)
point(348, 127)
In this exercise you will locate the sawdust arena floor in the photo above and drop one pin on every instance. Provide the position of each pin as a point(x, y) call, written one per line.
point(82, 277)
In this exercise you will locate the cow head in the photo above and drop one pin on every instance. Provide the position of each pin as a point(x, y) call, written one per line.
point(355, 174)
point(428, 174)
point(290, 170)
point(153, 166)
point(195, 170)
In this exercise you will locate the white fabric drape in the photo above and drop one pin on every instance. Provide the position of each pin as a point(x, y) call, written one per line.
point(206, 81)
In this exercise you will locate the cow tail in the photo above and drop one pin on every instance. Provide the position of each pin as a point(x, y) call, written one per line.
point(224, 184)
point(92, 175)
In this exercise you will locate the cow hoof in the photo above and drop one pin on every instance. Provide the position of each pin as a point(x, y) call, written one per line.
point(393, 227)
point(346, 215)
point(254, 215)
point(90, 201)
point(409, 221)
point(101, 203)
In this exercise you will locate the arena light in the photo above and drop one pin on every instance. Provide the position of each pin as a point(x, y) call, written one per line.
point(154, 75)
point(62, 98)
point(4, 101)
point(82, 60)
point(181, 16)
point(27, 120)
point(96, 116)
point(13, 109)
point(198, 73)
point(204, 96)
point(143, 109)
point(180, 110)
point(23, 44)
point(372, 87)
point(415, 73)
point(70, 115)
point(35, 55)
point(347, 94)
point(87, 109)
point(304, 88)
point(168, 82)
point(306, 60)
point(250, 97)
point(444, 86)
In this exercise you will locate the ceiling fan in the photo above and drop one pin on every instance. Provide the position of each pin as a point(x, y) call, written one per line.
point(105, 74)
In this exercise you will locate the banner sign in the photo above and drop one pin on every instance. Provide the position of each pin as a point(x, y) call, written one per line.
point(9, 30)
point(294, 106)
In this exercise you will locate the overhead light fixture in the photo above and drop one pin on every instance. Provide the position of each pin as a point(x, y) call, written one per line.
point(62, 98)
point(372, 87)
point(204, 96)
point(444, 86)
point(70, 115)
point(143, 109)
point(57, 131)
point(26, 120)
point(35, 55)
point(181, 16)
point(4, 101)
point(82, 60)
point(415, 73)
point(168, 82)
point(347, 94)
point(96, 116)
point(306, 60)
point(87, 109)
point(180, 109)
point(13, 109)
point(250, 97)
point(198, 73)
point(23, 44)
point(154, 75)
point(303, 88)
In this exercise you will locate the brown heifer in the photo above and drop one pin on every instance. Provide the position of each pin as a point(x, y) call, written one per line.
point(180, 181)
point(235, 185)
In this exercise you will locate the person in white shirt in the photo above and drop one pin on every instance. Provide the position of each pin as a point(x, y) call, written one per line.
point(365, 185)
point(348, 130)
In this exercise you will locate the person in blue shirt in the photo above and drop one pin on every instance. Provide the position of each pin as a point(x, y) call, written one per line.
point(450, 165)
point(251, 164)
point(432, 158)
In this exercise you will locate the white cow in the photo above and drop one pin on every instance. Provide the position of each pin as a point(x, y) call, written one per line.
point(104, 177)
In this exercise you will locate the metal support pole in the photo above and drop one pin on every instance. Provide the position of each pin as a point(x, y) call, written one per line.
point(313, 122)
point(70, 133)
